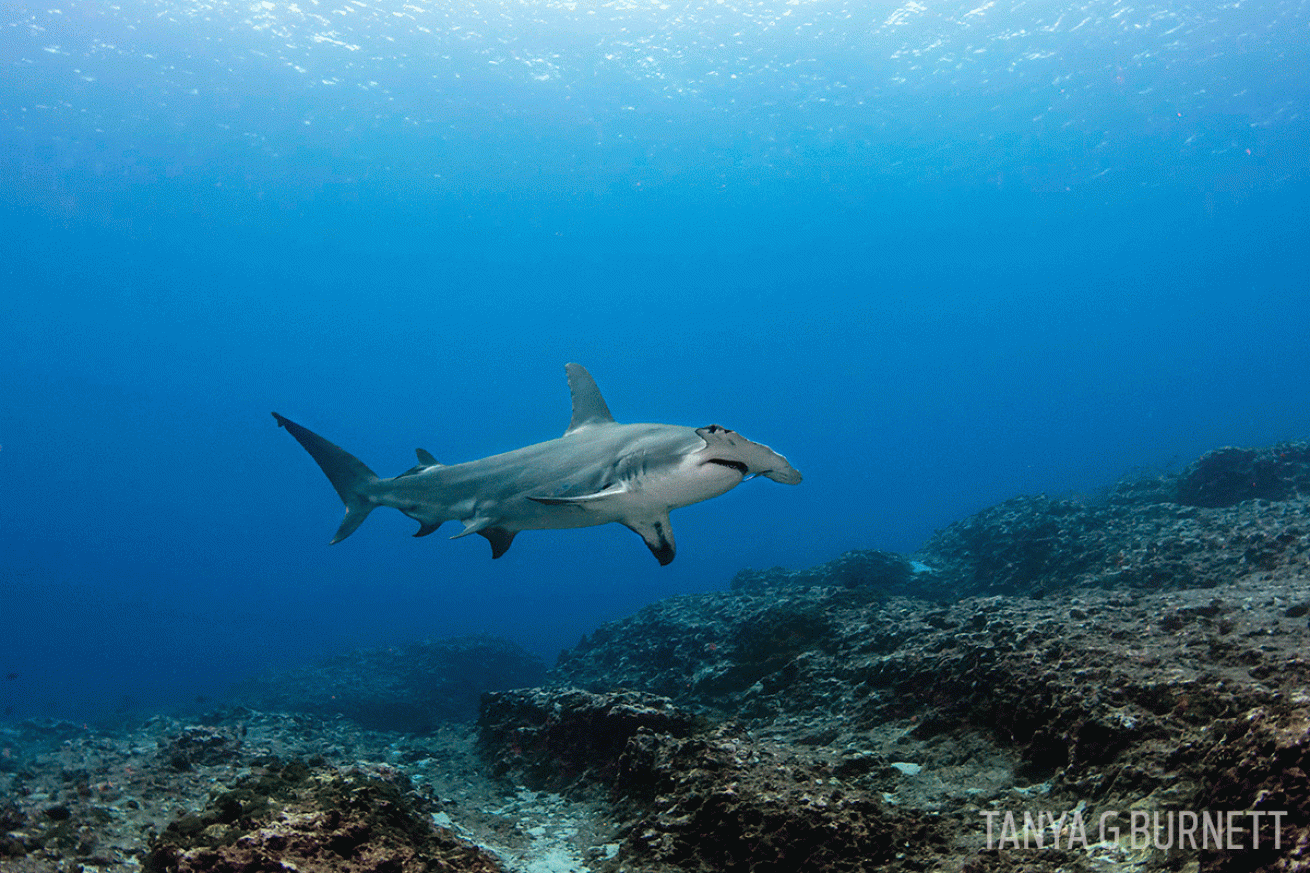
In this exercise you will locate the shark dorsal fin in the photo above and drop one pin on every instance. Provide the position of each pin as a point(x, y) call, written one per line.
point(588, 406)
point(425, 462)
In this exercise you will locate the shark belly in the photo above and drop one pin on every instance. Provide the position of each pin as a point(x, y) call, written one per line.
point(691, 481)
point(642, 498)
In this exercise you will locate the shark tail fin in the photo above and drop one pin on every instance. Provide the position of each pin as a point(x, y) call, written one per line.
point(348, 475)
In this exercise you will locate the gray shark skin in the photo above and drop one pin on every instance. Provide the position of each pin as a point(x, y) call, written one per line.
point(598, 472)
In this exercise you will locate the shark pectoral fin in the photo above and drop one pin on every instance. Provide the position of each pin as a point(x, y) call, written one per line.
point(658, 534)
point(553, 501)
point(567, 501)
point(499, 538)
point(582, 500)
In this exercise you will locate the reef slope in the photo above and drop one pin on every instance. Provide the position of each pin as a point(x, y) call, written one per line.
point(1140, 652)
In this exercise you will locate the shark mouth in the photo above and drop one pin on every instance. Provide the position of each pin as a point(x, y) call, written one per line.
point(739, 466)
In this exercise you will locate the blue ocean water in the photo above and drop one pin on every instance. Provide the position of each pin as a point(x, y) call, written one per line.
point(936, 253)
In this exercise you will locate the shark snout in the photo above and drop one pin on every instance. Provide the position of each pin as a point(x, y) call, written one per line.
point(786, 474)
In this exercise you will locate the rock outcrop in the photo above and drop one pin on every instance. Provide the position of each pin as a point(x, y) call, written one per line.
point(291, 816)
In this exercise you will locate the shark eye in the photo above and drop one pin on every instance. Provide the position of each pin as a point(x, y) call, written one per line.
point(736, 465)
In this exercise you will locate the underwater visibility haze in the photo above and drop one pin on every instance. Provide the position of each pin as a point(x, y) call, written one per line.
point(937, 254)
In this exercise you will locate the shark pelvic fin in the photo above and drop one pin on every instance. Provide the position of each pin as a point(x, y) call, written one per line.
point(499, 537)
point(349, 475)
point(426, 528)
point(475, 525)
point(588, 406)
point(658, 534)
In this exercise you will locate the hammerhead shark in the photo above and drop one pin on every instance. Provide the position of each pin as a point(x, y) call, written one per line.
point(599, 471)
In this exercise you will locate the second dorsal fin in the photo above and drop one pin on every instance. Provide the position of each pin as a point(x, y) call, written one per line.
point(425, 462)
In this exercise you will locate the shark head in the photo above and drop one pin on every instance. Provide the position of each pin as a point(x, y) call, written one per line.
point(730, 449)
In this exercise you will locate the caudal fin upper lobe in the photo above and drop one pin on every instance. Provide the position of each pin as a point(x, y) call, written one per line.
point(350, 476)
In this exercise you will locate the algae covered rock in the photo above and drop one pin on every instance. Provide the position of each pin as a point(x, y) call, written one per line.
point(560, 738)
point(725, 801)
point(315, 820)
